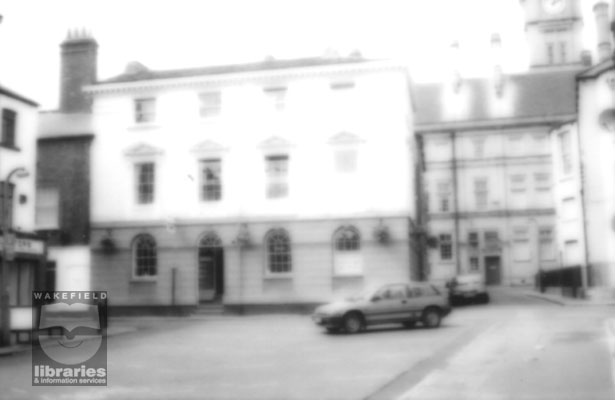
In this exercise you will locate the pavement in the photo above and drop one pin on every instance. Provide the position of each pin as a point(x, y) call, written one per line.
point(595, 297)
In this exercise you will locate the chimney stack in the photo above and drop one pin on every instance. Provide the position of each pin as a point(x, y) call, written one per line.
point(78, 69)
point(498, 73)
point(601, 12)
point(455, 62)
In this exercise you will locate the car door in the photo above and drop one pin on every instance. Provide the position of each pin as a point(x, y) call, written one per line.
point(419, 298)
point(389, 304)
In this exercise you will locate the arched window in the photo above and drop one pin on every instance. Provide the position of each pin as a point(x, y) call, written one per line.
point(210, 240)
point(347, 256)
point(145, 256)
point(347, 239)
point(279, 259)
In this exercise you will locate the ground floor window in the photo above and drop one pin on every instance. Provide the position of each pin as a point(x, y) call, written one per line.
point(279, 258)
point(347, 256)
point(145, 256)
point(474, 264)
point(446, 246)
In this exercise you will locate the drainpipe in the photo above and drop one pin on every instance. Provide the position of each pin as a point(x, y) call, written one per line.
point(455, 201)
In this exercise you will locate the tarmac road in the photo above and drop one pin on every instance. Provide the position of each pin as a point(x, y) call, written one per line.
point(516, 347)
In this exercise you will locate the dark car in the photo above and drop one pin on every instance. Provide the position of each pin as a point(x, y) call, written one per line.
point(468, 288)
point(405, 303)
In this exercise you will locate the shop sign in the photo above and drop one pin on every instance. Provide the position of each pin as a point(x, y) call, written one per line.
point(22, 246)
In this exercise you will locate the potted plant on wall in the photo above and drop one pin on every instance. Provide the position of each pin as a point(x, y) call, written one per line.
point(243, 237)
point(381, 233)
point(108, 244)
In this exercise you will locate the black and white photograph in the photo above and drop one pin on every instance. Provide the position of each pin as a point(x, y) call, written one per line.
point(307, 199)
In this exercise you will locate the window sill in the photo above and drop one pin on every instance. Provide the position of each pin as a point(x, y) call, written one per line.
point(143, 126)
point(144, 280)
point(348, 276)
point(8, 147)
point(281, 276)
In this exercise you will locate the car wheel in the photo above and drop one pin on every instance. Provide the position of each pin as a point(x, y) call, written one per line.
point(431, 317)
point(409, 324)
point(353, 322)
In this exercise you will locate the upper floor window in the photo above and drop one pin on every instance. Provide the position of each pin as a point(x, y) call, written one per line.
point(550, 53)
point(569, 208)
point(481, 192)
point(9, 127)
point(145, 110)
point(446, 246)
point(145, 182)
point(346, 160)
point(563, 52)
point(517, 183)
point(342, 85)
point(542, 181)
point(7, 197)
point(211, 182)
point(47, 208)
point(492, 240)
point(210, 104)
point(276, 169)
point(479, 147)
point(145, 256)
point(565, 147)
point(277, 97)
point(444, 196)
point(473, 241)
point(279, 259)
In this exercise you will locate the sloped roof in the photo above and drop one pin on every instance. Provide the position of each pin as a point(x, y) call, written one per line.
point(140, 73)
point(8, 92)
point(538, 94)
point(597, 70)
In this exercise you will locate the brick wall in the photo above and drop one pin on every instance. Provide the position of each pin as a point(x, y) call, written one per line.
point(64, 164)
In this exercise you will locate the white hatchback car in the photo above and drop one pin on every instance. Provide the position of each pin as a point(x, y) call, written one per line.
point(405, 303)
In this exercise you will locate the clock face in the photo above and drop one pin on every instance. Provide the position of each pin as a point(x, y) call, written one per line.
point(553, 6)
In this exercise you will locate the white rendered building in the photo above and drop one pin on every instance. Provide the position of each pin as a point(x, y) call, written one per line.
point(267, 184)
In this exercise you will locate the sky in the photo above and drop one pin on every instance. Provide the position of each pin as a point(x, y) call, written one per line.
point(170, 34)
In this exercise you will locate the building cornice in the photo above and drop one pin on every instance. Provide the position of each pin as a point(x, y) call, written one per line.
point(511, 123)
point(241, 77)
point(207, 222)
point(493, 213)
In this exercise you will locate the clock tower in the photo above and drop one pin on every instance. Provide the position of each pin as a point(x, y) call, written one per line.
point(553, 30)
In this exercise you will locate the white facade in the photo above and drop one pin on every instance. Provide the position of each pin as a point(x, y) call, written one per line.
point(343, 133)
point(597, 151)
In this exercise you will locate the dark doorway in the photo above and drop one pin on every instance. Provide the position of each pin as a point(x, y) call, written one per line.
point(211, 269)
point(493, 270)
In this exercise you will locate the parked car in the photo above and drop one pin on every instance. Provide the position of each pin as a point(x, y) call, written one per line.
point(405, 303)
point(468, 288)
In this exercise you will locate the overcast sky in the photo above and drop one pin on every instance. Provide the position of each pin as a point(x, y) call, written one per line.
point(165, 34)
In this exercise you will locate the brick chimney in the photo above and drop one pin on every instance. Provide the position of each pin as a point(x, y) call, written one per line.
point(78, 68)
point(601, 12)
